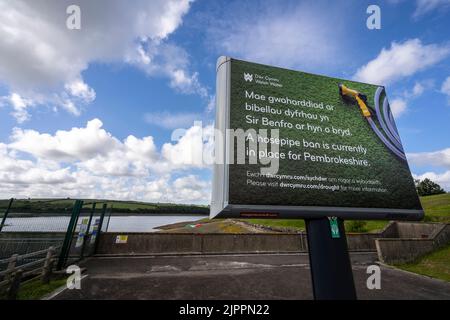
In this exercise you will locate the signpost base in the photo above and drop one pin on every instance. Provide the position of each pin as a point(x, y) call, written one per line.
point(331, 270)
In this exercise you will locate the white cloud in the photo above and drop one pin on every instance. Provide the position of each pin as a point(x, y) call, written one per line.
point(440, 158)
point(75, 144)
point(18, 171)
point(211, 104)
point(90, 162)
point(398, 107)
point(172, 120)
point(78, 88)
point(20, 106)
point(191, 187)
point(426, 6)
point(167, 59)
point(418, 89)
point(195, 147)
point(70, 107)
point(445, 89)
point(36, 42)
point(298, 35)
point(401, 60)
point(42, 61)
point(186, 83)
point(94, 149)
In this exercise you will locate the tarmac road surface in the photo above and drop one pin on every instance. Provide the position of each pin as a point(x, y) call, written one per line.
point(243, 276)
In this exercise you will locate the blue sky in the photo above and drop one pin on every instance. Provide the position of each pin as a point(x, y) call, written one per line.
point(90, 112)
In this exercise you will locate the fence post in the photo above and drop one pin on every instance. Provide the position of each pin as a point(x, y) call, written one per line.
point(77, 215)
point(48, 265)
point(15, 285)
point(11, 266)
point(83, 246)
point(99, 228)
point(109, 218)
point(69, 234)
point(6, 213)
point(301, 241)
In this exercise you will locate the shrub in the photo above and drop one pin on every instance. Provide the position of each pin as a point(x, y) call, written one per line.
point(357, 226)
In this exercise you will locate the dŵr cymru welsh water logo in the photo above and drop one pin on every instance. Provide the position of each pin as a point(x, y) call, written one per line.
point(248, 77)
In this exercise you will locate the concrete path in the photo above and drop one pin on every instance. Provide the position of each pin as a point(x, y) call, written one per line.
point(256, 276)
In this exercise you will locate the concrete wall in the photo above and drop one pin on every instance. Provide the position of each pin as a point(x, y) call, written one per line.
point(395, 251)
point(423, 238)
point(362, 241)
point(390, 230)
point(168, 243)
point(421, 230)
point(416, 229)
point(389, 249)
point(441, 236)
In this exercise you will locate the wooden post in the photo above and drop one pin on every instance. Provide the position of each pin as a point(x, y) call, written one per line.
point(48, 265)
point(15, 285)
point(11, 265)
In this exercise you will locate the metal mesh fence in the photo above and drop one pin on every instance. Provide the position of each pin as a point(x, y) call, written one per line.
point(35, 215)
point(16, 223)
point(9, 246)
point(26, 231)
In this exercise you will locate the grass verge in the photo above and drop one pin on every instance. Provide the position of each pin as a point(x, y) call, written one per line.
point(299, 224)
point(435, 264)
point(437, 209)
point(35, 290)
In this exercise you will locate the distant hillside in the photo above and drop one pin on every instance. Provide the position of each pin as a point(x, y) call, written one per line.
point(437, 207)
point(58, 206)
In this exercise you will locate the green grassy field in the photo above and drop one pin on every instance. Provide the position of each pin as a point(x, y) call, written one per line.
point(435, 264)
point(64, 206)
point(437, 209)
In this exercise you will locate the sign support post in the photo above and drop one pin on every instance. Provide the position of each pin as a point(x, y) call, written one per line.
point(331, 270)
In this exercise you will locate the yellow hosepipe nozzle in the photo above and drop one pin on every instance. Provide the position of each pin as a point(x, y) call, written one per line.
point(360, 98)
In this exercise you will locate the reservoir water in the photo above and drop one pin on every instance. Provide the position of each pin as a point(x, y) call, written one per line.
point(142, 223)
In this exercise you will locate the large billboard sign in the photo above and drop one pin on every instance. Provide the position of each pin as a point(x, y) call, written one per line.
point(290, 144)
